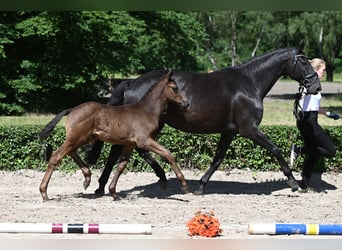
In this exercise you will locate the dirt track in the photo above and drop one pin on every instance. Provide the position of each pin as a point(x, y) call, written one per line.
point(238, 198)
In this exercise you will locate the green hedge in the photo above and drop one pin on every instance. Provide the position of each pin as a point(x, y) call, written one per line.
point(20, 148)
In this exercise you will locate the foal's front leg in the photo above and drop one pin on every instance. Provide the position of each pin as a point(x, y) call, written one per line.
point(152, 145)
point(124, 158)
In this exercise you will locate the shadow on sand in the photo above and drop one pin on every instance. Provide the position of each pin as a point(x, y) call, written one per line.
point(153, 190)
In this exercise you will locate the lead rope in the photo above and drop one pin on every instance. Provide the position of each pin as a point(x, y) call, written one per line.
point(297, 108)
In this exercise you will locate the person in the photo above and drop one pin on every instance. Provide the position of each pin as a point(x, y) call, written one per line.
point(317, 142)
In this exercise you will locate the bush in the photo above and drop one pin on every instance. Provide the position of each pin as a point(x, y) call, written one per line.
point(20, 148)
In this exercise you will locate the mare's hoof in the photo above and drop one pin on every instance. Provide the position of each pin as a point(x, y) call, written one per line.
point(99, 192)
point(162, 184)
point(198, 192)
point(293, 184)
point(307, 190)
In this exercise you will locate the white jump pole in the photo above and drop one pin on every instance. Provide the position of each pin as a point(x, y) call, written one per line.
point(306, 229)
point(75, 228)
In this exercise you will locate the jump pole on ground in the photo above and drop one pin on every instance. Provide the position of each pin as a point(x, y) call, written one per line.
point(75, 228)
point(306, 229)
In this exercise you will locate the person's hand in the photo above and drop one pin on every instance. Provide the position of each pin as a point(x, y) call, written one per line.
point(333, 115)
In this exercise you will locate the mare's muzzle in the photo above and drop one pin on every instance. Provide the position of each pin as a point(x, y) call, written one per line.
point(312, 84)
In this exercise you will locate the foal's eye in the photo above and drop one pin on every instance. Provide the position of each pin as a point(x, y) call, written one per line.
point(175, 89)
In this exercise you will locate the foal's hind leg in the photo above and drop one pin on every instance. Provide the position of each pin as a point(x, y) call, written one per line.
point(55, 159)
point(84, 168)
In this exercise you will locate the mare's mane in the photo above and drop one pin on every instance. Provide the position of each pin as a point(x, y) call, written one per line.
point(257, 60)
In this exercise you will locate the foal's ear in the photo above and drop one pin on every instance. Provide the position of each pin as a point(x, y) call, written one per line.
point(170, 74)
point(301, 46)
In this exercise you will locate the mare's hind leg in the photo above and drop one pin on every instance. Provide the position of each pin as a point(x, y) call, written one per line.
point(259, 138)
point(124, 158)
point(55, 159)
point(95, 152)
point(221, 150)
point(152, 145)
point(84, 168)
point(114, 154)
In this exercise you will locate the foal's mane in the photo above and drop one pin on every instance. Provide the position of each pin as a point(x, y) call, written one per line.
point(148, 91)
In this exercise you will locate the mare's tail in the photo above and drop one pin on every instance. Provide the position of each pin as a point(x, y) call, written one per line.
point(46, 131)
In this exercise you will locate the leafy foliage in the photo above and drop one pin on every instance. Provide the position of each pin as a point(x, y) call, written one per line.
point(54, 60)
point(21, 149)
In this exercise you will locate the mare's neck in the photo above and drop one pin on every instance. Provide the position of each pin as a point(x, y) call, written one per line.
point(267, 72)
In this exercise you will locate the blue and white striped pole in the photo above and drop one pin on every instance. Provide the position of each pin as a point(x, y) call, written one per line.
point(306, 229)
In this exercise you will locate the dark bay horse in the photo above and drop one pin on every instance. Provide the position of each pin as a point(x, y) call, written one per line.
point(228, 101)
point(131, 125)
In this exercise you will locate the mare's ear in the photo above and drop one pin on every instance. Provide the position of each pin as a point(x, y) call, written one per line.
point(301, 46)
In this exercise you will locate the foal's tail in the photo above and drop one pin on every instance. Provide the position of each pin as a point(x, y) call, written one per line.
point(46, 131)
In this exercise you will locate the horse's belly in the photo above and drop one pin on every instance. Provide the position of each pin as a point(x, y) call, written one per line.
point(196, 124)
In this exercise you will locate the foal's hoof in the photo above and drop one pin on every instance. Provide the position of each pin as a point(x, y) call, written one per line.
point(162, 184)
point(293, 185)
point(86, 183)
point(185, 190)
point(116, 197)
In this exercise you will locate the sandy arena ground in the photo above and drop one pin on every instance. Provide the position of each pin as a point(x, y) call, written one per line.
point(238, 197)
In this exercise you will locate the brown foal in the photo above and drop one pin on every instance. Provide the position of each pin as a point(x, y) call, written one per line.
point(131, 125)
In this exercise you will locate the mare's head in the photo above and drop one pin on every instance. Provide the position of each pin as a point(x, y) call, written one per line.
point(173, 93)
point(301, 70)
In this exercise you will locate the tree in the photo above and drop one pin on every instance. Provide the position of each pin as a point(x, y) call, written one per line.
point(322, 32)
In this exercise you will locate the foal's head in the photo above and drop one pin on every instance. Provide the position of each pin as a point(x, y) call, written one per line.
point(173, 93)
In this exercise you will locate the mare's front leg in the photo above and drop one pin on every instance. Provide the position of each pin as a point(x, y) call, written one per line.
point(221, 150)
point(124, 158)
point(84, 168)
point(259, 138)
point(152, 145)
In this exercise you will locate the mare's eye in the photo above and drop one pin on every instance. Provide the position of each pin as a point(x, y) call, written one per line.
point(175, 88)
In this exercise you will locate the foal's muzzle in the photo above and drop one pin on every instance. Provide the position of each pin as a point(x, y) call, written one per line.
point(184, 104)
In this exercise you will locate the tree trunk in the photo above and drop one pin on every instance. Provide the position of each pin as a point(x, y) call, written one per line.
point(330, 72)
point(233, 41)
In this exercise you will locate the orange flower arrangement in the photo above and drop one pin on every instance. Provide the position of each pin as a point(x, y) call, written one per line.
point(204, 224)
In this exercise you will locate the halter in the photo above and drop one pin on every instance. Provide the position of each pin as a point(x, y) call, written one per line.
point(297, 109)
point(305, 79)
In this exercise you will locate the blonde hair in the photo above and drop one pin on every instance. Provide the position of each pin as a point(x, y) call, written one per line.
point(317, 63)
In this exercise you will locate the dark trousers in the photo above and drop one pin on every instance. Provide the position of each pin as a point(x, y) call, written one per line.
point(317, 143)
